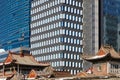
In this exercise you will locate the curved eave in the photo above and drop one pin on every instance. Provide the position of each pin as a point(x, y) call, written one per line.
point(106, 57)
point(8, 63)
point(42, 65)
point(95, 57)
point(1, 64)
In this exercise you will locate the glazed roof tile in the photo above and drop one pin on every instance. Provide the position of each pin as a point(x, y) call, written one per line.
point(103, 53)
point(26, 59)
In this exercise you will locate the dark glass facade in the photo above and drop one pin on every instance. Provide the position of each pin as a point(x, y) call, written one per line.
point(110, 10)
point(14, 23)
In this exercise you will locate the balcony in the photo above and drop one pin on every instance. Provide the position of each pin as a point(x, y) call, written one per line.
point(115, 71)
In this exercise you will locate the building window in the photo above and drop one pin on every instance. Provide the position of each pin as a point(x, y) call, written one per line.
point(79, 4)
point(66, 63)
point(71, 56)
point(73, 64)
point(64, 55)
point(99, 68)
point(71, 71)
point(68, 56)
point(69, 64)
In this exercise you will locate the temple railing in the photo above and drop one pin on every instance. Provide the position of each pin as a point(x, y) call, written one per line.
point(116, 71)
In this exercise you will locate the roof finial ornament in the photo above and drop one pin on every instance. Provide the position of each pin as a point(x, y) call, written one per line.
point(21, 53)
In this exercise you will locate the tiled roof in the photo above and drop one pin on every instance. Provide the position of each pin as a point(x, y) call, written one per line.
point(48, 74)
point(108, 50)
point(58, 74)
point(104, 52)
point(85, 75)
point(6, 74)
point(88, 76)
point(25, 59)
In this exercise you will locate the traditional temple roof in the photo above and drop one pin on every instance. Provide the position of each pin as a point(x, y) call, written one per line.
point(86, 76)
point(89, 74)
point(22, 59)
point(104, 53)
point(59, 74)
point(48, 74)
point(6, 74)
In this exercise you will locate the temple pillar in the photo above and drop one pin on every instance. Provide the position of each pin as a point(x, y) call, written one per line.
point(18, 69)
point(3, 69)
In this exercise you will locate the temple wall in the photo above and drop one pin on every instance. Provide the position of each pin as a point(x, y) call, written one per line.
point(100, 68)
point(100, 79)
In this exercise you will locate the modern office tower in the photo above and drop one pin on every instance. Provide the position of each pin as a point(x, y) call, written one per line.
point(110, 20)
point(90, 28)
point(14, 23)
point(57, 33)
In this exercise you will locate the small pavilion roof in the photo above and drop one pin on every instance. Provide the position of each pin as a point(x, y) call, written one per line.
point(23, 59)
point(104, 53)
point(7, 74)
point(48, 74)
point(87, 76)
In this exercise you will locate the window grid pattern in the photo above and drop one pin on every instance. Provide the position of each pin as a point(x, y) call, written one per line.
point(57, 32)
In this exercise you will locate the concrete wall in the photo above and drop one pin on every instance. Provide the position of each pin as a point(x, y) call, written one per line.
point(90, 29)
point(90, 26)
point(118, 38)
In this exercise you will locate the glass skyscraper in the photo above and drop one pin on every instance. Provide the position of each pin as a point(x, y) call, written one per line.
point(57, 33)
point(110, 23)
point(14, 23)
